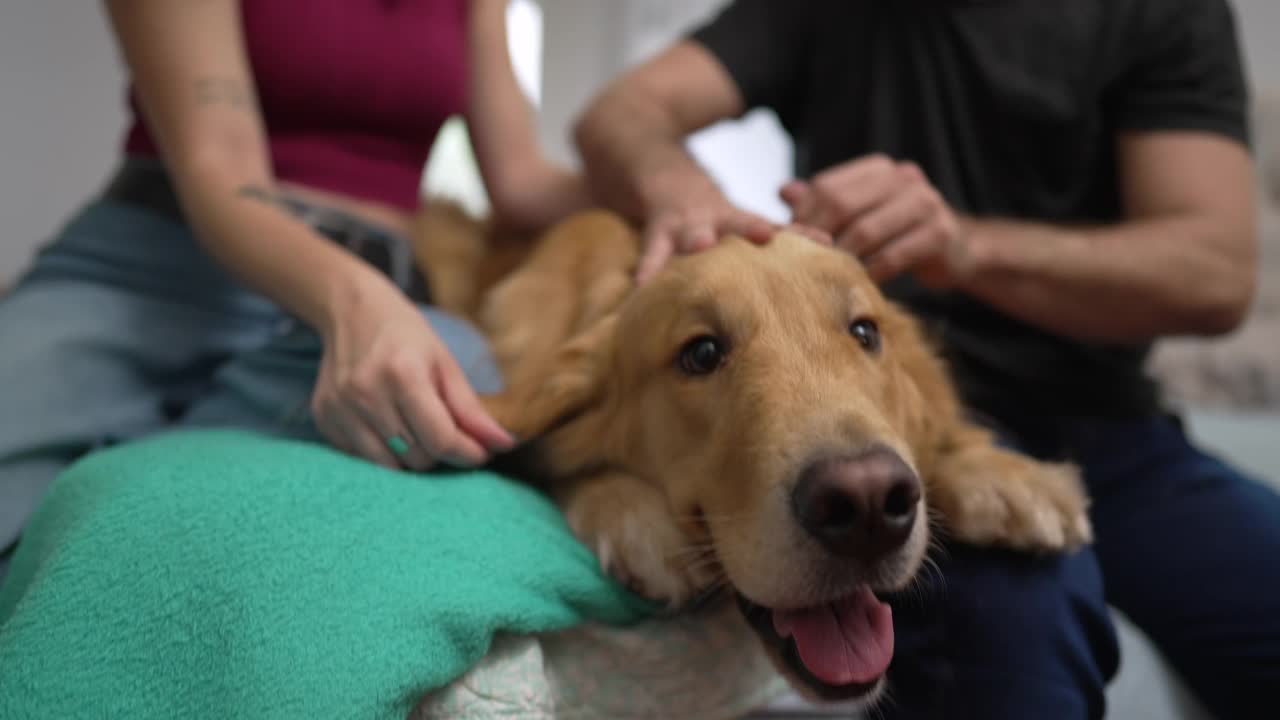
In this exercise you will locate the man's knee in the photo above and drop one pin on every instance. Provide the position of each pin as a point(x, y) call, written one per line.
point(1003, 634)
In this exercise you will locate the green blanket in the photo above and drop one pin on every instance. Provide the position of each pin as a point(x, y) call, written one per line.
point(228, 575)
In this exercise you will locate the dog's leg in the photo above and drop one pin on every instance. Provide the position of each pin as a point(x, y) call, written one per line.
point(635, 536)
point(988, 495)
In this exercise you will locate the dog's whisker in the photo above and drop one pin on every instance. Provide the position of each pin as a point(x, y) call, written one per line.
point(880, 706)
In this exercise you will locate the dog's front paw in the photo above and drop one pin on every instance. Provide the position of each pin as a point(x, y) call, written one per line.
point(636, 539)
point(1014, 501)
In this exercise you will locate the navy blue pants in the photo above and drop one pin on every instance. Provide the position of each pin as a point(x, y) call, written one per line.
point(1186, 546)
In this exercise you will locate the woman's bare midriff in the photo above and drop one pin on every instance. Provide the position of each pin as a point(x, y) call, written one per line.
point(390, 218)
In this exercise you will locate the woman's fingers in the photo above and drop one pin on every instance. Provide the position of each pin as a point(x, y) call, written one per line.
point(434, 427)
point(467, 410)
point(365, 441)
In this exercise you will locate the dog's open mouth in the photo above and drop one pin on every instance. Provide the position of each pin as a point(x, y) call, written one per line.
point(840, 649)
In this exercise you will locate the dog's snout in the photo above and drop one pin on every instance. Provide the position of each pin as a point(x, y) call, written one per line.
point(862, 506)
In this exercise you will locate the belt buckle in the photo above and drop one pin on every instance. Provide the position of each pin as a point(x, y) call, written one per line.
point(387, 253)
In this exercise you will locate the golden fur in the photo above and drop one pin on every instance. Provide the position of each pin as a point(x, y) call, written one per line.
point(675, 480)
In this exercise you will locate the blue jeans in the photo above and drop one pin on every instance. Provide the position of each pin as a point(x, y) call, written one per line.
point(1187, 547)
point(124, 327)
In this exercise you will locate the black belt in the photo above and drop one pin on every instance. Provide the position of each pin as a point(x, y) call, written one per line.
point(148, 186)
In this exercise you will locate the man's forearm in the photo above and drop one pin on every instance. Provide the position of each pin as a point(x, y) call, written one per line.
point(541, 194)
point(635, 156)
point(1126, 283)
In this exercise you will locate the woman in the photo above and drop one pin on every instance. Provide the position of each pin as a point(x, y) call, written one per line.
point(249, 255)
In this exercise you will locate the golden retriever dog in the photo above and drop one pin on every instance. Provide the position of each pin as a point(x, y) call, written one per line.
point(756, 418)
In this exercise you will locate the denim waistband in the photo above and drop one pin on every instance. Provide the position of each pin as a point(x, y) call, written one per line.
point(145, 183)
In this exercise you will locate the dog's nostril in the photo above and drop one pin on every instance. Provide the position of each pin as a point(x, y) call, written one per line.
point(834, 511)
point(863, 506)
point(900, 502)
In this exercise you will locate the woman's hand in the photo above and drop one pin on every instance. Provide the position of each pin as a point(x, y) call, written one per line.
point(390, 391)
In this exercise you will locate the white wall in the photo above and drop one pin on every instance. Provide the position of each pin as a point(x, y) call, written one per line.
point(61, 118)
point(1259, 22)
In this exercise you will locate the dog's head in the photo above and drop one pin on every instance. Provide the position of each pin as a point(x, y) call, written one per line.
point(776, 396)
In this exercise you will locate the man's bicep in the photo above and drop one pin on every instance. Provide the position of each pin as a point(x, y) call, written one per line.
point(691, 84)
point(1185, 172)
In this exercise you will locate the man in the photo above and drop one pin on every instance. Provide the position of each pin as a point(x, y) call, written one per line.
point(1051, 186)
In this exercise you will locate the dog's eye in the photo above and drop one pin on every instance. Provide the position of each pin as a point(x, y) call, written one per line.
point(867, 334)
point(702, 355)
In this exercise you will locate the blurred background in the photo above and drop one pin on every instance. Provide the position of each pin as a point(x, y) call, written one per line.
point(62, 107)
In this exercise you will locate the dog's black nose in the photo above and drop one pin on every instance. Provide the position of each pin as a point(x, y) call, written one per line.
point(860, 506)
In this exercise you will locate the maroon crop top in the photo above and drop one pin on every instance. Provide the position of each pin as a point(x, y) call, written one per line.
point(353, 92)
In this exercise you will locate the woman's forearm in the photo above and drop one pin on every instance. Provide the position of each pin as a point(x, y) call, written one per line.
point(273, 252)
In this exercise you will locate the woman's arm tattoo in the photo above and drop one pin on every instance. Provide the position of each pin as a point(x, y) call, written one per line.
point(223, 91)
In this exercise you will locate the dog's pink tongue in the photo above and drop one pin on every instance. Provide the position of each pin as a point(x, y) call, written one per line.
point(842, 643)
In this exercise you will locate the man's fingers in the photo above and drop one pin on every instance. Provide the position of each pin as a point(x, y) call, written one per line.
point(846, 192)
point(804, 202)
point(870, 232)
point(899, 215)
point(865, 169)
point(696, 237)
point(658, 248)
point(696, 231)
point(799, 196)
point(748, 225)
point(815, 234)
point(896, 257)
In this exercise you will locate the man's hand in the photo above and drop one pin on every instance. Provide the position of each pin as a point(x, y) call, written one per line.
point(888, 215)
point(692, 227)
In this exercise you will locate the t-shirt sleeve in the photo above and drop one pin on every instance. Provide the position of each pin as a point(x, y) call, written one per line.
point(1184, 71)
point(761, 43)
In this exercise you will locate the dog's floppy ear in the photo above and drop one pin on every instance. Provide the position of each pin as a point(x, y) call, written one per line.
point(545, 396)
point(923, 397)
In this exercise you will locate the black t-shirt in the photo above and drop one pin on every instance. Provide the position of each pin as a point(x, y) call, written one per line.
point(1012, 109)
